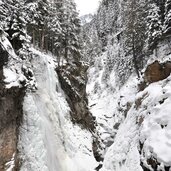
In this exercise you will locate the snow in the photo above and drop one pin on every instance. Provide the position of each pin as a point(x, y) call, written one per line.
point(10, 76)
point(156, 128)
point(123, 154)
point(153, 133)
point(7, 45)
point(13, 75)
point(48, 139)
point(12, 79)
point(10, 165)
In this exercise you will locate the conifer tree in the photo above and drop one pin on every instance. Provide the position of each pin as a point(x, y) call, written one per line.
point(167, 21)
point(154, 24)
point(135, 26)
point(37, 16)
point(15, 24)
point(72, 34)
point(54, 28)
point(68, 28)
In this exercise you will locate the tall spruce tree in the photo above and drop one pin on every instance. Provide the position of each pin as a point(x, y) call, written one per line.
point(154, 24)
point(37, 17)
point(135, 26)
point(15, 23)
point(167, 21)
point(54, 28)
point(52, 25)
point(67, 38)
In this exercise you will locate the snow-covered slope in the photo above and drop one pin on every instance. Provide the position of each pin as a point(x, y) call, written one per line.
point(86, 18)
point(145, 133)
point(48, 140)
point(107, 101)
point(134, 124)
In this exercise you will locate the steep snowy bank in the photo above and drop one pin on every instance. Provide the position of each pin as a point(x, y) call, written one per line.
point(107, 101)
point(48, 139)
point(134, 125)
point(144, 136)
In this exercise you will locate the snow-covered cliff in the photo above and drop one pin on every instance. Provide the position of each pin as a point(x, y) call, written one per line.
point(46, 138)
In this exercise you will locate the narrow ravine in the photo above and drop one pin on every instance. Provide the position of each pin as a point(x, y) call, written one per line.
point(85, 93)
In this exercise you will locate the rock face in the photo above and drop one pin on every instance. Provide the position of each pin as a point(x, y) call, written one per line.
point(73, 82)
point(10, 117)
point(157, 71)
point(3, 57)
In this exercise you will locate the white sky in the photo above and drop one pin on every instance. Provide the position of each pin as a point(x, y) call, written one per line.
point(87, 6)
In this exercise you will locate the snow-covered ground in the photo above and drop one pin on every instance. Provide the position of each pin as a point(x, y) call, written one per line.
point(48, 140)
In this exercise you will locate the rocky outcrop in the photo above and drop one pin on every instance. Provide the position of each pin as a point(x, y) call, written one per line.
point(10, 117)
point(157, 71)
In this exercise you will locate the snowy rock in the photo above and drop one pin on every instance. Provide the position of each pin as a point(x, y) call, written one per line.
point(11, 98)
point(157, 71)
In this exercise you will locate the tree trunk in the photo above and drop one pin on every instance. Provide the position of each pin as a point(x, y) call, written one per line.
point(66, 54)
point(33, 38)
point(134, 56)
point(46, 44)
point(52, 45)
point(43, 39)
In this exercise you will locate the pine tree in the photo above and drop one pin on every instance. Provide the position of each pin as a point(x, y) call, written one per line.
point(56, 27)
point(66, 38)
point(15, 24)
point(72, 32)
point(135, 27)
point(154, 24)
point(37, 18)
point(167, 21)
point(52, 25)
point(4, 12)
point(32, 17)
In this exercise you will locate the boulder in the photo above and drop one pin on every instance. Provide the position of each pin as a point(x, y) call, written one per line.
point(157, 71)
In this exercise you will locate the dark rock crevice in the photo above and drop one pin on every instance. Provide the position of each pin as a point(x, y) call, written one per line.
point(73, 81)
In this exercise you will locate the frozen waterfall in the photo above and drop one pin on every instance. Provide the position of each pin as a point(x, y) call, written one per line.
point(48, 140)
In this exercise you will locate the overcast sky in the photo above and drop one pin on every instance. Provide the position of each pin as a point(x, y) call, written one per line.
point(87, 6)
